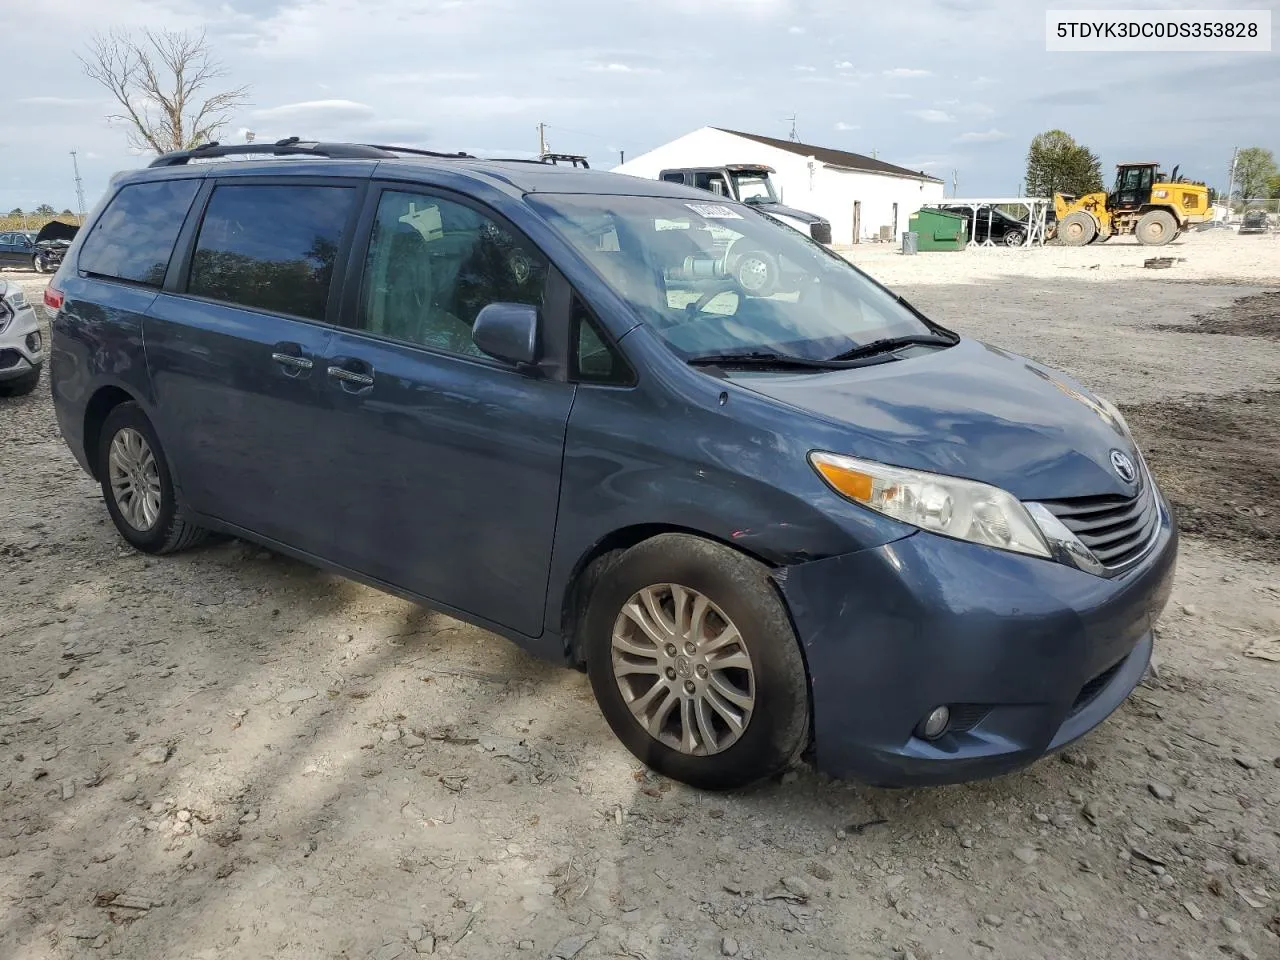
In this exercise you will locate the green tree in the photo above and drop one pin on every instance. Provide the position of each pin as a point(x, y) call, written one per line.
point(44, 210)
point(1273, 187)
point(1254, 169)
point(66, 213)
point(16, 212)
point(1057, 164)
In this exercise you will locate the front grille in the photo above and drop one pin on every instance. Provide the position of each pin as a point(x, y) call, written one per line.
point(1094, 687)
point(1117, 529)
point(966, 716)
point(820, 232)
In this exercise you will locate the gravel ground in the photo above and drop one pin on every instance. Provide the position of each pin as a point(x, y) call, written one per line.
point(227, 754)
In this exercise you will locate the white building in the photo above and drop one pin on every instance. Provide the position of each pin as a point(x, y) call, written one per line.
point(858, 195)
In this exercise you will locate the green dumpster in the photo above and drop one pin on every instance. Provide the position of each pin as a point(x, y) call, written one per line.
point(938, 229)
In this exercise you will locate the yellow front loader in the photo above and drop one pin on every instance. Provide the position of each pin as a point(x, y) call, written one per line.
point(1143, 202)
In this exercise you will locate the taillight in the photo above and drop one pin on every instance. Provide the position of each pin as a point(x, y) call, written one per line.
point(53, 298)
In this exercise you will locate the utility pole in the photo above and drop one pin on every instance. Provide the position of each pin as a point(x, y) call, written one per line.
point(795, 138)
point(622, 156)
point(75, 165)
point(542, 139)
point(1231, 179)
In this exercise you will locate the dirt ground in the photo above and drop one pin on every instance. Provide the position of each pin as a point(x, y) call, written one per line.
point(226, 754)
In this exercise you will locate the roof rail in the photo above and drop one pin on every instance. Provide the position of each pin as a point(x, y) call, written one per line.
point(420, 153)
point(290, 146)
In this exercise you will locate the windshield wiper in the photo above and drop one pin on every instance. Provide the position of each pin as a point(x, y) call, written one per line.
point(893, 343)
point(762, 358)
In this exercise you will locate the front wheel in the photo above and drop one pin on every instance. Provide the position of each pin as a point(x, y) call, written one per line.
point(1015, 238)
point(1077, 229)
point(38, 264)
point(695, 665)
point(137, 485)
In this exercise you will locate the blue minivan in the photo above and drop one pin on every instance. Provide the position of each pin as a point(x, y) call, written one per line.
point(540, 399)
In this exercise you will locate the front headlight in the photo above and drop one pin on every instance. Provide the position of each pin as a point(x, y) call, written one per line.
point(950, 506)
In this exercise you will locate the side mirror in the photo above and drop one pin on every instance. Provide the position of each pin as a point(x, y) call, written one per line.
point(508, 332)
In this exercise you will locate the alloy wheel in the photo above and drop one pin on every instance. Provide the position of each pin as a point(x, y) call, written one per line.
point(683, 669)
point(134, 476)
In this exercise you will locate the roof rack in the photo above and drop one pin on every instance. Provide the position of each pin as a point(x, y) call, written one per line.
point(296, 147)
point(573, 158)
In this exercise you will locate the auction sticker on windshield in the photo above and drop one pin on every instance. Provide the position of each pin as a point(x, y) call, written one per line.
point(714, 211)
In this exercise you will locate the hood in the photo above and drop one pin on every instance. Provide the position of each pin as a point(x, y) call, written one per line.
point(970, 411)
point(781, 210)
point(57, 230)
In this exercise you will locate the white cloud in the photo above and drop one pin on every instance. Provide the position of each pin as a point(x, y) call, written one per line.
point(844, 65)
point(933, 116)
point(907, 72)
point(317, 110)
point(841, 125)
point(803, 69)
point(977, 111)
point(53, 101)
point(796, 31)
point(988, 136)
point(982, 81)
point(898, 96)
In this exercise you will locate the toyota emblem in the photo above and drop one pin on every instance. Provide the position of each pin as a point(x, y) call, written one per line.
point(1123, 466)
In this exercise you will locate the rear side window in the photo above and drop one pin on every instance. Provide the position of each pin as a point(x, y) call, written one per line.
point(133, 239)
point(271, 247)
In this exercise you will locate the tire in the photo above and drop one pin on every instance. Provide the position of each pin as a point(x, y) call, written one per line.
point(756, 272)
point(1102, 238)
point(21, 386)
point(769, 679)
point(1014, 238)
point(1156, 228)
point(1077, 229)
point(158, 531)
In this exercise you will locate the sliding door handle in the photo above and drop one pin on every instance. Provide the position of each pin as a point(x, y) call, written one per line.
point(289, 360)
point(351, 376)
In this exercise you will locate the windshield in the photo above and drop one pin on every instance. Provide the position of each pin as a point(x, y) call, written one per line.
point(719, 278)
point(752, 187)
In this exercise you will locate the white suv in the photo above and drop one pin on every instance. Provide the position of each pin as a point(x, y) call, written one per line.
point(21, 342)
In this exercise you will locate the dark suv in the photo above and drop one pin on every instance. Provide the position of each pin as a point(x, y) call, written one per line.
point(501, 389)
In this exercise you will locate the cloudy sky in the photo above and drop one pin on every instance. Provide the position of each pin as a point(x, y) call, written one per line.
point(939, 85)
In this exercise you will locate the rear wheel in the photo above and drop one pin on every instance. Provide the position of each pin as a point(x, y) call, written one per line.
point(694, 663)
point(137, 485)
point(1014, 238)
point(1156, 228)
point(38, 264)
point(1077, 229)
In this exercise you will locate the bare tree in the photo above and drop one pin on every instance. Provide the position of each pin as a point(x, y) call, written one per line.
point(161, 80)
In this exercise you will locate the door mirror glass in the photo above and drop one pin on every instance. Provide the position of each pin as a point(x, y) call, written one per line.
point(508, 332)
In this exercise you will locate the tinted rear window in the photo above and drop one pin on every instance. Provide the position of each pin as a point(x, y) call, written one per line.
point(134, 237)
point(271, 247)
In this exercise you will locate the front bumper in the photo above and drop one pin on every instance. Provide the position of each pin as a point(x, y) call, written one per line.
point(1028, 654)
point(22, 345)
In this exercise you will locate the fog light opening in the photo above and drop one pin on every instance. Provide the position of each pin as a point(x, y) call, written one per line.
point(935, 724)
